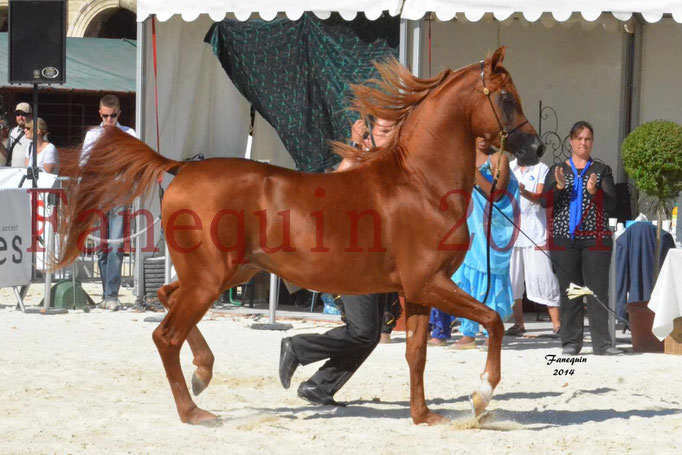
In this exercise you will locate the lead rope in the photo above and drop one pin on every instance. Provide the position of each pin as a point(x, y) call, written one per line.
point(503, 139)
point(573, 290)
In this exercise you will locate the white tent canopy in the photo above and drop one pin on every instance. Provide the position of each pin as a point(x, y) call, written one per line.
point(200, 110)
point(473, 10)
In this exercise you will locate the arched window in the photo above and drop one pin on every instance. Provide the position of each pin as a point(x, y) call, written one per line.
point(112, 23)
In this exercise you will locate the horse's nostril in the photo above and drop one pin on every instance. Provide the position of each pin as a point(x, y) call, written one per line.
point(541, 150)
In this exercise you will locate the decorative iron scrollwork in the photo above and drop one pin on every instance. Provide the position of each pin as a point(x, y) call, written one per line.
point(560, 148)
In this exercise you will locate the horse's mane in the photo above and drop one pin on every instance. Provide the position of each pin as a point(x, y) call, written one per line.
point(392, 98)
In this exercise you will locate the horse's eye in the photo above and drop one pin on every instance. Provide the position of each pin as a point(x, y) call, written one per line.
point(507, 98)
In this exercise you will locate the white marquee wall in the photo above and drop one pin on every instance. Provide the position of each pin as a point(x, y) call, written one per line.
point(200, 110)
point(661, 96)
point(576, 71)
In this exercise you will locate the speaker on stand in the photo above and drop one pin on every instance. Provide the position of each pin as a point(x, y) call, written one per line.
point(37, 55)
point(37, 42)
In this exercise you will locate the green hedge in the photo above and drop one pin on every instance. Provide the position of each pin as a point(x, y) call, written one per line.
point(652, 155)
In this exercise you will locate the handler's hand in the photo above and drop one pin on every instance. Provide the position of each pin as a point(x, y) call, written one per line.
point(559, 177)
point(522, 190)
point(357, 132)
point(592, 184)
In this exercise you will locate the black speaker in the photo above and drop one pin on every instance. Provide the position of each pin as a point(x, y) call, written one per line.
point(37, 41)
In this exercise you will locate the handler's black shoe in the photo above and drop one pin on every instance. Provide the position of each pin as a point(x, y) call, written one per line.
point(611, 350)
point(288, 362)
point(311, 392)
point(570, 350)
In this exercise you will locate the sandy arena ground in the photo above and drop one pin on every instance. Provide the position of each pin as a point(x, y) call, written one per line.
point(93, 383)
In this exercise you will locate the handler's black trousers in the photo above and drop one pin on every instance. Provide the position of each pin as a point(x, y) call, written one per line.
point(347, 346)
point(580, 264)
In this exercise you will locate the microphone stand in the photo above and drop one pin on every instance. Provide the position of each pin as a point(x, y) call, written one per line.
point(32, 173)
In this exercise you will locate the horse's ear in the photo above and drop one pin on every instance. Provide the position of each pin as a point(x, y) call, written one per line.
point(497, 59)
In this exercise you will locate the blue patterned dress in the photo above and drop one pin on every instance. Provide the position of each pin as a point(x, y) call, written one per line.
point(471, 276)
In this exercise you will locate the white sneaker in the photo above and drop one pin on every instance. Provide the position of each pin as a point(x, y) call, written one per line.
point(112, 304)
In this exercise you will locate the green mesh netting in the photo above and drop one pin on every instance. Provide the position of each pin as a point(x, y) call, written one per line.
point(296, 74)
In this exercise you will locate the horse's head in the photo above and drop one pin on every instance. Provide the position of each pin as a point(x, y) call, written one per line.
point(497, 112)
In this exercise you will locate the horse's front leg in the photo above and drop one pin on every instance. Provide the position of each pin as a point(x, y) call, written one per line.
point(445, 295)
point(183, 315)
point(417, 331)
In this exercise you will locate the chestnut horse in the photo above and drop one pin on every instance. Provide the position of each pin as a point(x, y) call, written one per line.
point(394, 222)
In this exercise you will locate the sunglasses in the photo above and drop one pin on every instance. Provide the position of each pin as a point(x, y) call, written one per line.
point(27, 128)
point(21, 114)
point(109, 115)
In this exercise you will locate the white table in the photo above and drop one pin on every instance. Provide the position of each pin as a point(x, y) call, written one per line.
point(666, 298)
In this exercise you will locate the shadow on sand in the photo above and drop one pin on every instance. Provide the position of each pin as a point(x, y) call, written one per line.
point(536, 419)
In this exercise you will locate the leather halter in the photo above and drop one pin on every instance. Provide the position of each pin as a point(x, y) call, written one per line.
point(503, 133)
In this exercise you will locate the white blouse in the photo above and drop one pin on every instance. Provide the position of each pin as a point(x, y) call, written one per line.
point(49, 155)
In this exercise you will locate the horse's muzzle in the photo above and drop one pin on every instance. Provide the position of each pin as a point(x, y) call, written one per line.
point(528, 148)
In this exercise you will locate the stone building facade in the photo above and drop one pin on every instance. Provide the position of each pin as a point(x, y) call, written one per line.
point(93, 18)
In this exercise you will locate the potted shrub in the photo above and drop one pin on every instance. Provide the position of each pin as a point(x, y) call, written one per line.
point(652, 155)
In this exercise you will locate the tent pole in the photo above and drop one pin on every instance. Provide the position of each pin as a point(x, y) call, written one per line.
point(402, 44)
point(416, 48)
point(410, 40)
point(140, 71)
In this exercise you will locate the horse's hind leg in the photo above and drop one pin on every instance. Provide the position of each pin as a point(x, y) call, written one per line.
point(417, 331)
point(186, 308)
point(445, 295)
point(202, 356)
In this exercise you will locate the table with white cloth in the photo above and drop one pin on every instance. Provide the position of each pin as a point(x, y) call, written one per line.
point(666, 298)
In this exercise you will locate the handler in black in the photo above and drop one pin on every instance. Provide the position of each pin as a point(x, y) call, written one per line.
point(348, 346)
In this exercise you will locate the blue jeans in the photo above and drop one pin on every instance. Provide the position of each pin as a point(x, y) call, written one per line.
point(110, 261)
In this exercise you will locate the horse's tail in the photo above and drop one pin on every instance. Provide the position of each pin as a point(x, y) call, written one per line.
point(119, 168)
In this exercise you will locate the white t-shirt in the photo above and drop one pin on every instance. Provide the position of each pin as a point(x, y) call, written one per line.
point(21, 148)
point(533, 216)
point(92, 135)
point(49, 155)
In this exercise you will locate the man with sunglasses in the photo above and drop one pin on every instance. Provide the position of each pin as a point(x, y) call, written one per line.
point(16, 151)
point(110, 255)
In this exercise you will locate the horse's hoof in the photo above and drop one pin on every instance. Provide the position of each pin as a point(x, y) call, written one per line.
point(204, 418)
point(430, 418)
point(217, 422)
point(436, 419)
point(198, 384)
point(478, 404)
